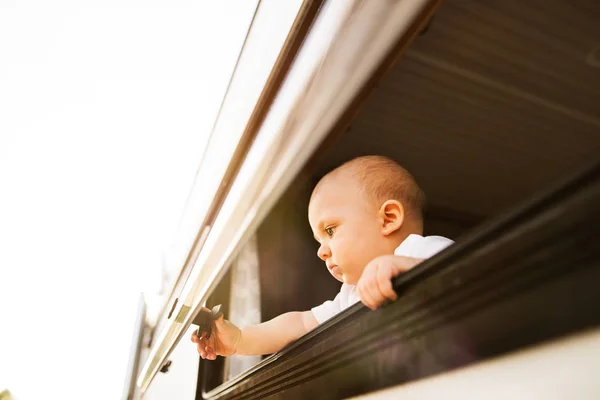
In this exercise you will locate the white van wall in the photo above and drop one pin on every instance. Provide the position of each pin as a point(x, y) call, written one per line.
point(180, 382)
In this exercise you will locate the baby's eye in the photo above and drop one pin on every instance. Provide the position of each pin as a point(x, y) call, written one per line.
point(330, 230)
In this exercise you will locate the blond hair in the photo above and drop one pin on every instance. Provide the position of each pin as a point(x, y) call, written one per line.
point(382, 179)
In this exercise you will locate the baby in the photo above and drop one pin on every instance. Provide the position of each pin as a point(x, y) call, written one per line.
point(367, 216)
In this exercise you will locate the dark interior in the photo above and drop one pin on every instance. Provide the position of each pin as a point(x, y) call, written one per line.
point(494, 102)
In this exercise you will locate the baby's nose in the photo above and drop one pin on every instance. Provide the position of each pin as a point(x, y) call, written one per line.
point(323, 252)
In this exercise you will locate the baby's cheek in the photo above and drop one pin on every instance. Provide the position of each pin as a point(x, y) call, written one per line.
point(353, 271)
point(361, 256)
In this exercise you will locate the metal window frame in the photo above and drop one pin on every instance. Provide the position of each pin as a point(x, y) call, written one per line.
point(241, 112)
point(130, 391)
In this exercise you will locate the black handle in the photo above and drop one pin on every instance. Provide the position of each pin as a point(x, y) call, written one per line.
point(204, 320)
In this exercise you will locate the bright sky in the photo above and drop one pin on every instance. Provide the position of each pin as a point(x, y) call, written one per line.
point(105, 106)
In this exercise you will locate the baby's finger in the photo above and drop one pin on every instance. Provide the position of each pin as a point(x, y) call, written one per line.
point(362, 289)
point(203, 343)
point(201, 350)
point(210, 353)
point(377, 298)
point(365, 293)
point(384, 283)
point(369, 283)
point(366, 296)
point(371, 293)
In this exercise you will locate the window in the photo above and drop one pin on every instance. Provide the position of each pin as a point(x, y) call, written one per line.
point(468, 112)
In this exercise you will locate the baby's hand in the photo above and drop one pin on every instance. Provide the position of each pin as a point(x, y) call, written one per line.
point(223, 341)
point(375, 284)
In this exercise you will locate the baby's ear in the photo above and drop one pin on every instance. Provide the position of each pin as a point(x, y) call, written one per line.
point(392, 214)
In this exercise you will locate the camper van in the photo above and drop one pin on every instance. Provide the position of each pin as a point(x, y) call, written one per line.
point(494, 106)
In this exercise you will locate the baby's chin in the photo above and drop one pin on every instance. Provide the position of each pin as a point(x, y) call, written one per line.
point(339, 277)
point(343, 277)
point(347, 280)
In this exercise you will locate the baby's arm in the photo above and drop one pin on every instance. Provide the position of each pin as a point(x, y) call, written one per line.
point(266, 338)
point(273, 335)
point(375, 284)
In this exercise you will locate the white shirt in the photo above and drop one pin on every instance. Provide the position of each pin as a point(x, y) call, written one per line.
point(415, 246)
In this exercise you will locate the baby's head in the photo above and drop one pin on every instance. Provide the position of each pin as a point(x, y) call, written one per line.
point(361, 210)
